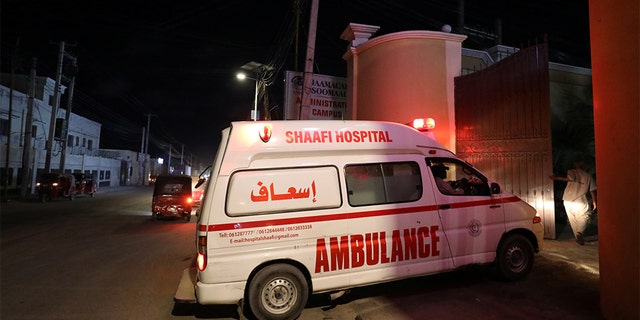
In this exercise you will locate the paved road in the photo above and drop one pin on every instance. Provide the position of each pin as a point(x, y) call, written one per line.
point(104, 258)
point(91, 258)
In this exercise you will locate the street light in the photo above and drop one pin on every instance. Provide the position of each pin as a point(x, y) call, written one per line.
point(260, 70)
point(243, 76)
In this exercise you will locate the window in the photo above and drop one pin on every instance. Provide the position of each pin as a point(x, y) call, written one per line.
point(84, 142)
point(77, 141)
point(4, 127)
point(69, 141)
point(455, 177)
point(107, 174)
point(173, 187)
point(90, 145)
point(381, 183)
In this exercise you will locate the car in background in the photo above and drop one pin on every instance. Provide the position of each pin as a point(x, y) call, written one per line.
point(172, 197)
point(197, 192)
point(85, 184)
point(55, 185)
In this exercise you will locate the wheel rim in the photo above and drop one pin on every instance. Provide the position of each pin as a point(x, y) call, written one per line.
point(516, 259)
point(279, 296)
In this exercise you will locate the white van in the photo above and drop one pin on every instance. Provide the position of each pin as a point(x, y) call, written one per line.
point(294, 208)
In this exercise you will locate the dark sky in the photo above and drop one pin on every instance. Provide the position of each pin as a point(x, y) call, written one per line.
point(177, 60)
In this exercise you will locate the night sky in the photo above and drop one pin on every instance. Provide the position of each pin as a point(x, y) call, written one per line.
point(177, 60)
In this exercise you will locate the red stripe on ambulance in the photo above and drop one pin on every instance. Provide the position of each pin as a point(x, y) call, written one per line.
point(344, 216)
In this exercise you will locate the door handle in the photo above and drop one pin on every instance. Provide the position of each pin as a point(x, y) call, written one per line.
point(494, 206)
point(445, 206)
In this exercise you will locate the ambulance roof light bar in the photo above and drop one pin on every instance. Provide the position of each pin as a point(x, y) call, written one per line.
point(423, 124)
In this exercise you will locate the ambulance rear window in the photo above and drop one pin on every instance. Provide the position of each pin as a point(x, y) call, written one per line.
point(380, 183)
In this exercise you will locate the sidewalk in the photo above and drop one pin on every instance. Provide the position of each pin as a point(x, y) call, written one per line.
point(565, 248)
point(564, 286)
point(99, 190)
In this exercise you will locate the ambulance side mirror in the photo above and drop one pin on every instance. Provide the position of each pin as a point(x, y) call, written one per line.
point(495, 188)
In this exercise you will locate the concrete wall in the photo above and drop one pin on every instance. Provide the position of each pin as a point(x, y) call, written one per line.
point(381, 69)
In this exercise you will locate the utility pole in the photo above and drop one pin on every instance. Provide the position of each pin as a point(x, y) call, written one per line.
point(145, 151)
point(296, 4)
point(142, 158)
point(54, 109)
point(461, 16)
point(5, 176)
point(169, 161)
point(63, 154)
point(308, 69)
point(26, 148)
point(144, 132)
point(146, 142)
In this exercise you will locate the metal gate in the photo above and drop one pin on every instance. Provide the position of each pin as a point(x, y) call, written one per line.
point(503, 127)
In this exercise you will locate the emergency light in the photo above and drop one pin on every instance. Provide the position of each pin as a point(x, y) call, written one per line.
point(265, 135)
point(424, 124)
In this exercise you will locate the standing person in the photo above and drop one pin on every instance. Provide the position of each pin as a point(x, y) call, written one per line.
point(579, 183)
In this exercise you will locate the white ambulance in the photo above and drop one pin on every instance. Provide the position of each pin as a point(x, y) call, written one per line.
point(294, 208)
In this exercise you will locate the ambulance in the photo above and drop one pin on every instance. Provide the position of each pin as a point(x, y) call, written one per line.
point(295, 208)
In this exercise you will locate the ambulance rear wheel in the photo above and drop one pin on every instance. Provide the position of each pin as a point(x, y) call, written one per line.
point(278, 291)
point(514, 257)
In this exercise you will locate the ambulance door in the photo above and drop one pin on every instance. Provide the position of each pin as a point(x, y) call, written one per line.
point(394, 220)
point(472, 218)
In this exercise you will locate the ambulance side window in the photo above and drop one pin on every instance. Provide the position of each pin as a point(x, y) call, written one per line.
point(454, 177)
point(381, 183)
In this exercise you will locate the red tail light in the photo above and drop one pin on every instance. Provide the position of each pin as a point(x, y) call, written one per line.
point(202, 253)
point(537, 219)
point(189, 200)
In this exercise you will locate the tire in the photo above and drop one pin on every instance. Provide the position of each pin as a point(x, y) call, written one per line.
point(514, 258)
point(278, 292)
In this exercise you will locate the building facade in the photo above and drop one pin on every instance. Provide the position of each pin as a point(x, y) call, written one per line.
point(80, 141)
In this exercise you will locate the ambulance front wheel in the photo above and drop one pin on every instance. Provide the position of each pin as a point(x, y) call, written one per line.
point(278, 291)
point(514, 257)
